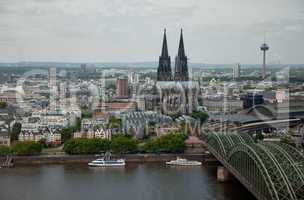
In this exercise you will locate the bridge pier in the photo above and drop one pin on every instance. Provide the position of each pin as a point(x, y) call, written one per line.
point(223, 174)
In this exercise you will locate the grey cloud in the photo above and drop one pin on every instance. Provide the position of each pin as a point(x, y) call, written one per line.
point(120, 24)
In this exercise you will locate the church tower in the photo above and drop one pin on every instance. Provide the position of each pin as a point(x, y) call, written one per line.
point(181, 66)
point(164, 67)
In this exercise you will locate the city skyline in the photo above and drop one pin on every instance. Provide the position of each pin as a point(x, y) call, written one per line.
point(99, 31)
point(171, 100)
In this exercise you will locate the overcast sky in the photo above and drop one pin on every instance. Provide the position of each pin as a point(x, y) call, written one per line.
point(215, 31)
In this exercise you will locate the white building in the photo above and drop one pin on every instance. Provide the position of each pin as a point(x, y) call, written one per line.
point(237, 71)
point(103, 133)
point(100, 133)
point(282, 95)
point(30, 136)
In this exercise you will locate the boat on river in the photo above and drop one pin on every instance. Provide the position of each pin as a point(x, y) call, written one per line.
point(107, 161)
point(183, 162)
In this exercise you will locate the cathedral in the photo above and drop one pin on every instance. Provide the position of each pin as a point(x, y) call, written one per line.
point(178, 94)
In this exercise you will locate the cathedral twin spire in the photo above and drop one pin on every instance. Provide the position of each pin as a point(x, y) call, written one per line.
point(164, 72)
point(181, 48)
point(165, 46)
point(164, 68)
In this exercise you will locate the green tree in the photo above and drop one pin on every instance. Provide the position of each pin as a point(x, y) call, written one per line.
point(26, 148)
point(86, 146)
point(123, 144)
point(171, 143)
point(114, 122)
point(67, 133)
point(4, 150)
point(15, 131)
point(3, 104)
point(86, 114)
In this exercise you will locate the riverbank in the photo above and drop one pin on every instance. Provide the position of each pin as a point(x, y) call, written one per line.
point(130, 158)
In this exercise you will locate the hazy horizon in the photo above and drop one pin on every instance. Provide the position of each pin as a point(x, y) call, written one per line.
point(144, 65)
point(136, 62)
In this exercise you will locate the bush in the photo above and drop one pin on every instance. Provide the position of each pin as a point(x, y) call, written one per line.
point(4, 150)
point(86, 146)
point(86, 114)
point(172, 143)
point(123, 144)
point(26, 148)
point(3, 104)
point(67, 133)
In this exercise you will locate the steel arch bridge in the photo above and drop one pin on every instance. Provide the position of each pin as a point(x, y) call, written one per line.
point(270, 171)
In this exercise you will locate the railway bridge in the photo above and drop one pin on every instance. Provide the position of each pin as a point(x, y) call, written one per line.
point(270, 171)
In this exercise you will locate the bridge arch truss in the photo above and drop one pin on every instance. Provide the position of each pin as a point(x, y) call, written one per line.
point(271, 171)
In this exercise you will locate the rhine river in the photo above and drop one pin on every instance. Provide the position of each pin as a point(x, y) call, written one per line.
point(134, 182)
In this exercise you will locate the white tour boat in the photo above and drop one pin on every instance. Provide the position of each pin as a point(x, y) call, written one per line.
point(183, 162)
point(106, 161)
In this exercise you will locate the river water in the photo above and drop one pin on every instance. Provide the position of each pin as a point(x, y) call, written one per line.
point(134, 182)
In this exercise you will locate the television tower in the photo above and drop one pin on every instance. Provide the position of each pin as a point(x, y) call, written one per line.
point(264, 48)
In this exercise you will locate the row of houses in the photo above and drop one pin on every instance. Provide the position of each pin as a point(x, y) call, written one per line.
point(49, 137)
point(100, 133)
point(46, 126)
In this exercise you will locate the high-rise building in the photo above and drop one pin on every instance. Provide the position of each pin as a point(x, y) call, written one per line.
point(237, 71)
point(122, 87)
point(133, 77)
point(164, 72)
point(53, 89)
point(181, 66)
point(83, 68)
